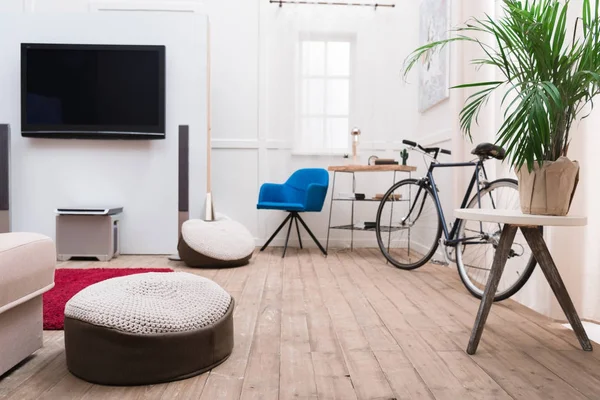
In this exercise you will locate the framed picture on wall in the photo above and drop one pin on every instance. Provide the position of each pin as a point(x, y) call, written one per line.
point(434, 68)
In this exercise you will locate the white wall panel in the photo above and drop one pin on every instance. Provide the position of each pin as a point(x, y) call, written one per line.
point(7, 6)
point(234, 68)
point(235, 190)
point(139, 175)
point(57, 5)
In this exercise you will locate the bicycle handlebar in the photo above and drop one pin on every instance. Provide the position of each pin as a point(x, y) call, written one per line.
point(435, 150)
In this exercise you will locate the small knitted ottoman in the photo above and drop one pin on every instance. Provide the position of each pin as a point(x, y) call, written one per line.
point(222, 243)
point(148, 328)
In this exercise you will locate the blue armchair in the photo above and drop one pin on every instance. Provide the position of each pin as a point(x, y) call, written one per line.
point(304, 191)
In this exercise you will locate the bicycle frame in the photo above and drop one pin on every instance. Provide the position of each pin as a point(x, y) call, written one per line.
point(451, 236)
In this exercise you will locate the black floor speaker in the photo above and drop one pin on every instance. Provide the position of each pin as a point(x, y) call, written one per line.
point(184, 175)
point(4, 178)
point(183, 182)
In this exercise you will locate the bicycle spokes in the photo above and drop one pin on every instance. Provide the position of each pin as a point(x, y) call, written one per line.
point(480, 240)
point(408, 225)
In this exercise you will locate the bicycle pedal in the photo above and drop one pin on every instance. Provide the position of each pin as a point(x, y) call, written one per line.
point(438, 262)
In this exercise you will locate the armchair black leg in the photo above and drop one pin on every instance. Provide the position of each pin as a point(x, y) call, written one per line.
point(277, 231)
point(298, 230)
point(311, 234)
point(293, 217)
point(287, 238)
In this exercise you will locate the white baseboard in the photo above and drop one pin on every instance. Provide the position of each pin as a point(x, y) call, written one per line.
point(338, 243)
point(591, 329)
point(308, 242)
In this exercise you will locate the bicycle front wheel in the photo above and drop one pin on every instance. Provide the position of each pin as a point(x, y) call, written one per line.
point(408, 226)
point(474, 257)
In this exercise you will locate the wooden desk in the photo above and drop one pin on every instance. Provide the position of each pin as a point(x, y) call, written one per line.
point(372, 168)
point(528, 224)
point(352, 169)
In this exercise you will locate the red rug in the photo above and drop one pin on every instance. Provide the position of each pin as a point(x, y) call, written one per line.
point(68, 282)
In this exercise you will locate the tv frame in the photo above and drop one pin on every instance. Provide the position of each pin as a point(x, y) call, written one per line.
point(130, 132)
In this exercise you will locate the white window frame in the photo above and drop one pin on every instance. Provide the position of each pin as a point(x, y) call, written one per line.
point(300, 116)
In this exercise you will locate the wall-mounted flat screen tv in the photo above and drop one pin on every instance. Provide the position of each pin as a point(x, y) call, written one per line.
point(94, 91)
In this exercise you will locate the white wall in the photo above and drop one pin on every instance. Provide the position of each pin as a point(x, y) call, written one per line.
point(141, 176)
point(247, 148)
point(247, 151)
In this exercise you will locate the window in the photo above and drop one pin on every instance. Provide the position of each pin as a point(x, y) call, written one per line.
point(325, 87)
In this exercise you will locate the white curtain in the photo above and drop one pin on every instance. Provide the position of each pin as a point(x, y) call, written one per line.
point(310, 70)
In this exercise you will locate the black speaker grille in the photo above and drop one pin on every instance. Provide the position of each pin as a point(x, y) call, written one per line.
point(184, 170)
point(4, 166)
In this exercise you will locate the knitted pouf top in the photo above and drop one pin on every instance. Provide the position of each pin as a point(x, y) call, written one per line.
point(151, 303)
point(223, 239)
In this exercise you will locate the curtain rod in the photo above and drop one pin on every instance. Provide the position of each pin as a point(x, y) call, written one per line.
point(282, 2)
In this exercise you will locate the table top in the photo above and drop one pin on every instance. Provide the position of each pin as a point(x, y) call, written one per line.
point(372, 168)
point(516, 217)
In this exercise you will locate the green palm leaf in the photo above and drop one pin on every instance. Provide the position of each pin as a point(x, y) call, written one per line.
point(550, 75)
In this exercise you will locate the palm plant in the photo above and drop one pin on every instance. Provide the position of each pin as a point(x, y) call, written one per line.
point(550, 75)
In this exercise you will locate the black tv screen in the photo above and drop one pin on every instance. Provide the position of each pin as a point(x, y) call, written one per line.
point(92, 91)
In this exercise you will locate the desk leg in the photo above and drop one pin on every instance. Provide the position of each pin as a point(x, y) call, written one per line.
point(330, 210)
point(502, 251)
point(542, 255)
point(352, 214)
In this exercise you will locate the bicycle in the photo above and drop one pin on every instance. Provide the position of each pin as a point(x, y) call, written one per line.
point(410, 237)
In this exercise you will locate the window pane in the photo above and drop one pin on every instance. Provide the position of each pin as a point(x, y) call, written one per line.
point(312, 133)
point(313, 96)
point(338, 133)
point(338, 97)
point(338, 59)
point(313, 58)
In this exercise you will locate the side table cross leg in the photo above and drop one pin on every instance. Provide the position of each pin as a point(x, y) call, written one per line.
point(500, 258)
point(542, 255)
point(544, 259)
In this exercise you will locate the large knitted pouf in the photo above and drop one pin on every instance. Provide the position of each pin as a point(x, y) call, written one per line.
point(214, 244)
point(148, 328)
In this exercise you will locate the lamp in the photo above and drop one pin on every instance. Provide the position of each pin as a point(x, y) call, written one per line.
point(355, 134)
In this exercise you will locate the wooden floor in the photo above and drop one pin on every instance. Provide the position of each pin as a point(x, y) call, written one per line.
point(348, 327)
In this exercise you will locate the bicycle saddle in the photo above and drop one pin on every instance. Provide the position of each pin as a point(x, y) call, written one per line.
point(489, 150)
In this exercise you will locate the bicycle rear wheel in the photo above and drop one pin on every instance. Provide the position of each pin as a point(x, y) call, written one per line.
point(408, 226)
point(474, 260)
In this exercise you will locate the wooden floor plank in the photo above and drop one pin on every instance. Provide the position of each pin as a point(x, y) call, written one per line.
point(402, 375)
point(321, 333)
point(332, 377)
point(479, 384)
point(262, 377)
point(186, 389)
point(527, 377)
point(428, 339)
point(297, 377)
point(432, 369)
point(367, 376)
point(225, 381)
point(538, 327)
point(69, 387)
point(347, 326)
point(584, 381)
point(42, 380)
point(261, 380)
point(38, 361)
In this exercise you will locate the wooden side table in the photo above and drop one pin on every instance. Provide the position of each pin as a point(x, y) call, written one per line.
point(353, 169)
point(528, 224)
